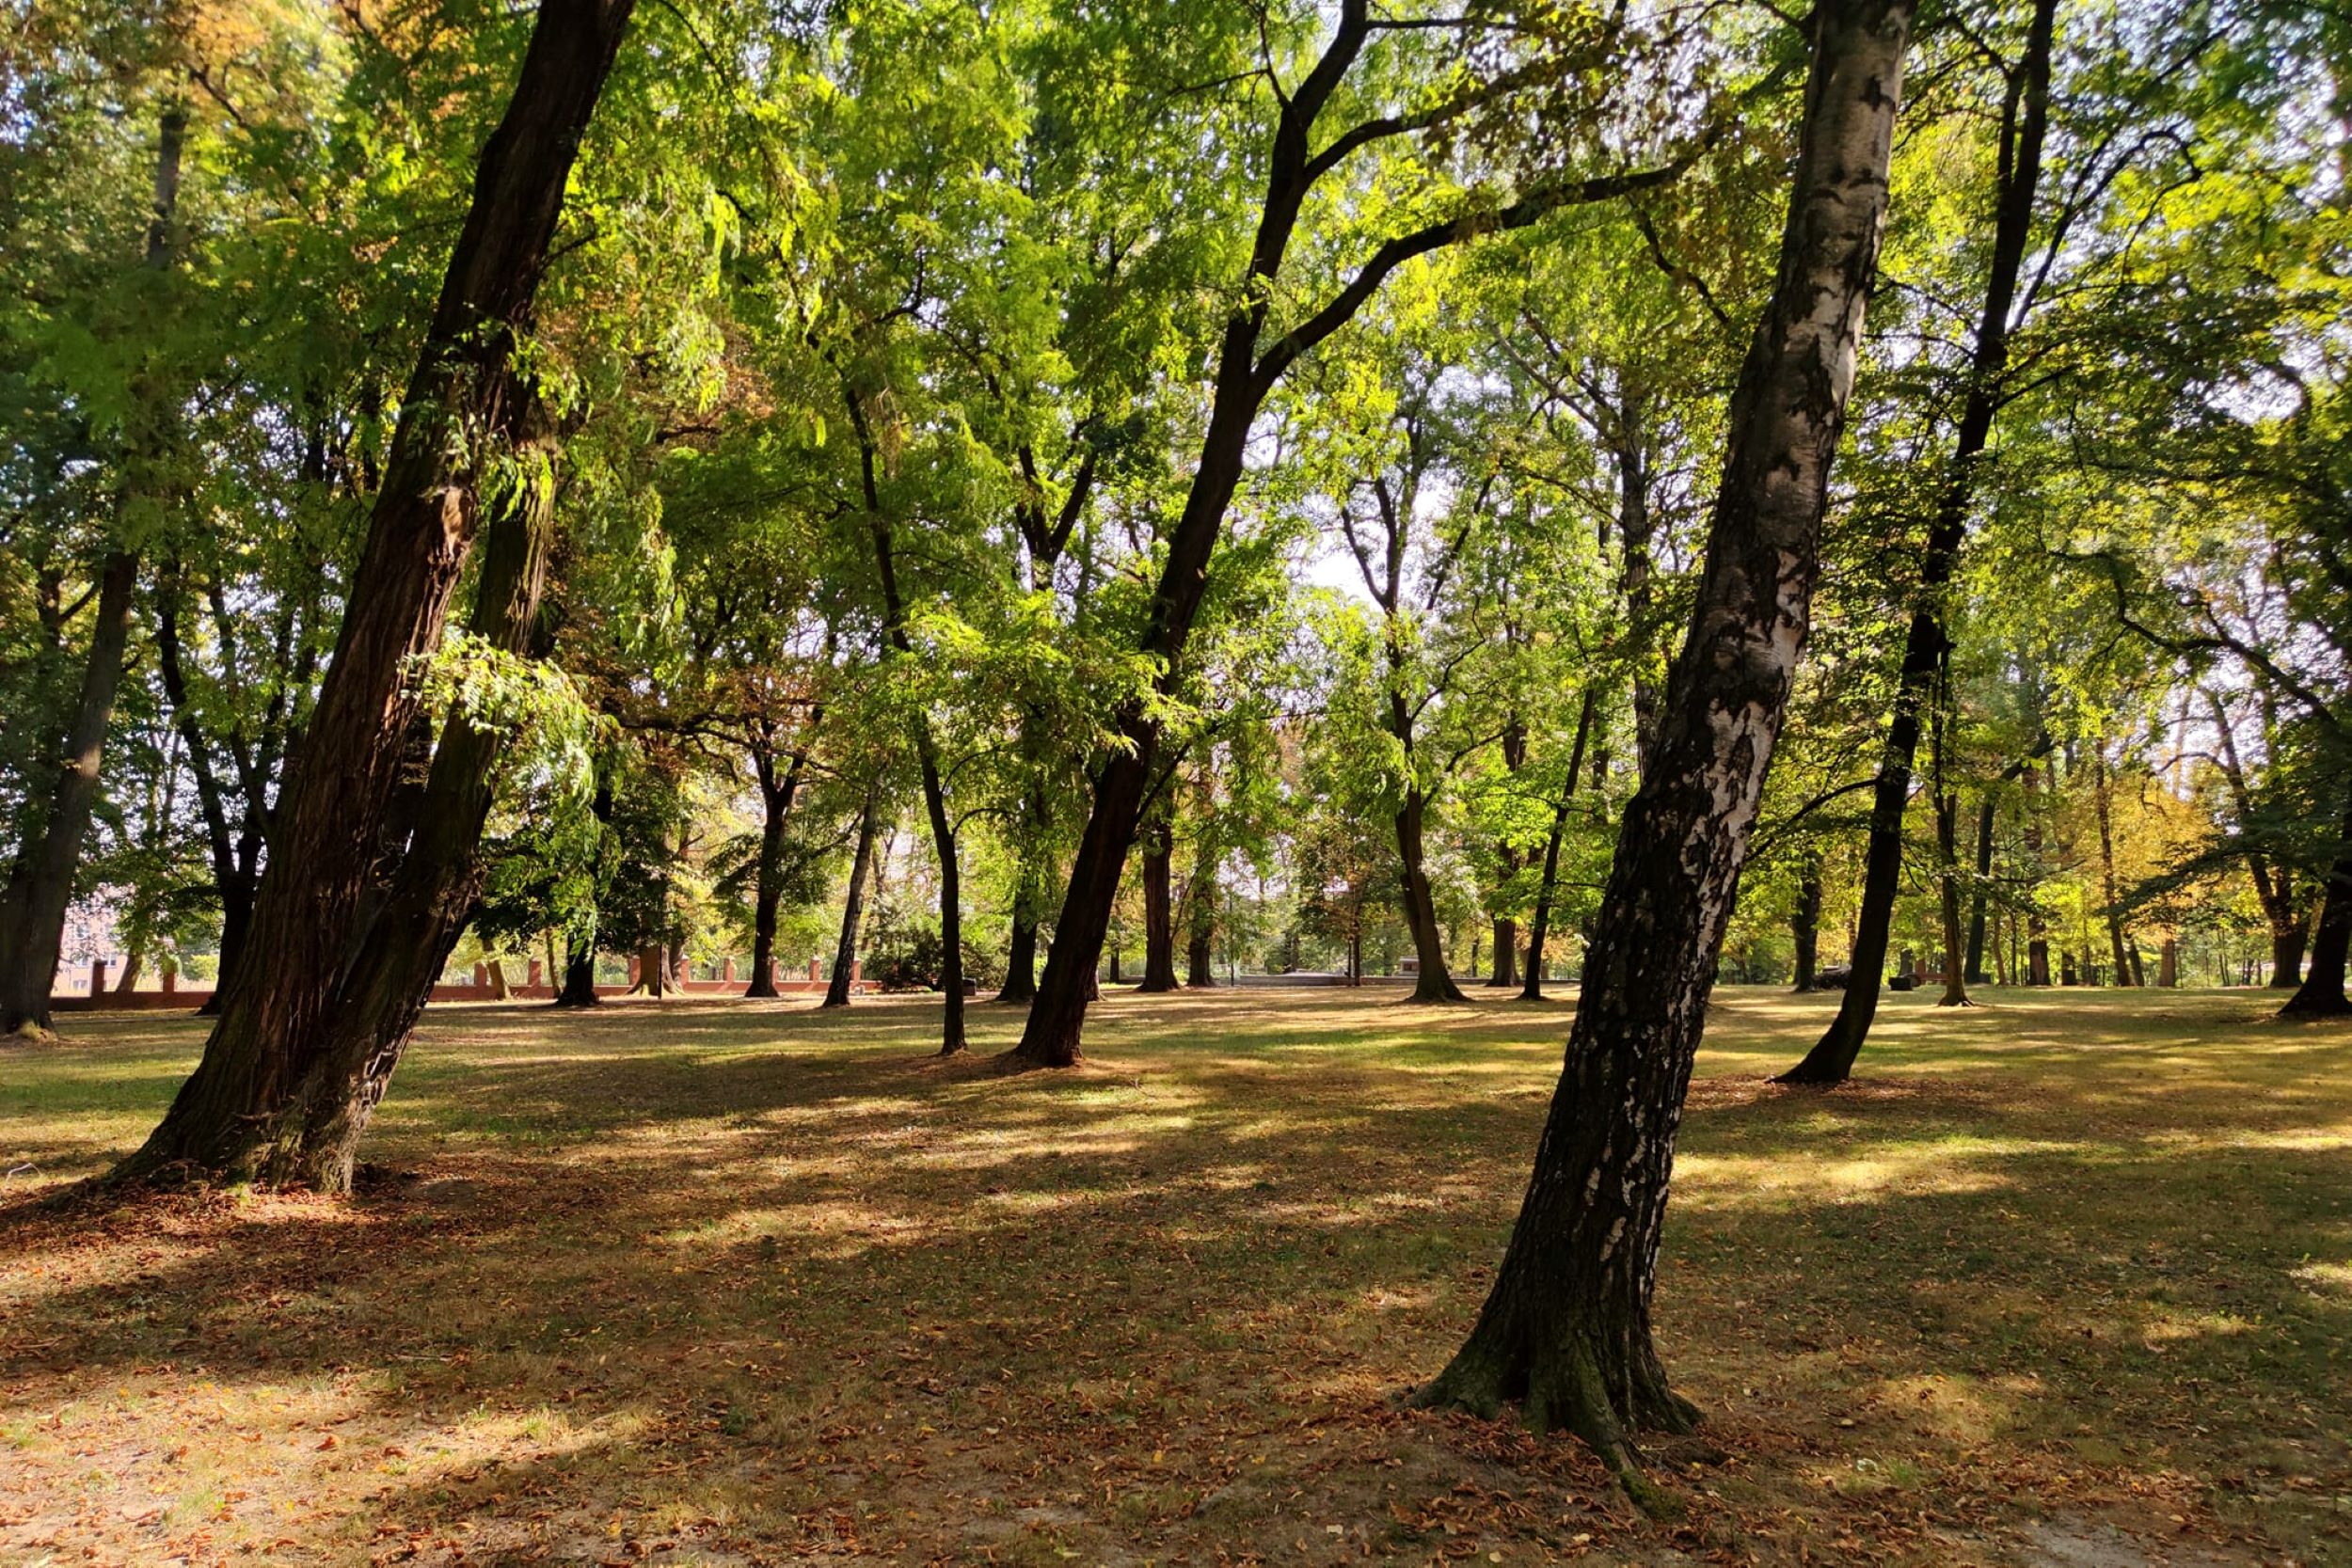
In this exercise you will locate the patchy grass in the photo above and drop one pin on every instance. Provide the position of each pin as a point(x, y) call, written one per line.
point(2067, 1279)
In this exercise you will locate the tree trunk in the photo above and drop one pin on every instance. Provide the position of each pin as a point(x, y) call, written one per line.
point(1159, 918)
point(2037, 924)
point(1566, 1328)
point(2169, 963)
point(435, 888)
point(1201, 915)
point(457, 421)
point(1927, 644)
point(40, 885)
point(1021, 958)
point(580, 976)
point(2112, 915)
point(1804, 924)
point(950, 899)
point(854, 906)
point(2321, 994)
point(1948, 889)
point(1506, 941)
point(1974, 971)
point(1432, 983)
point(1540, 927)
point(579, 945)
point(776, 795)
point(2288, 940)
point(40, 888)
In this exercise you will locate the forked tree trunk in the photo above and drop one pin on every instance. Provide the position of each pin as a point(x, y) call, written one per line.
point(1539, 928)
point(237, 1114)
point(854, 906)
point(437, 881)
point(2321, 994)
point(1947, 880)
point(1927, 643)
point(1432, 983)
point(1159, 914)
point(1567, 1329)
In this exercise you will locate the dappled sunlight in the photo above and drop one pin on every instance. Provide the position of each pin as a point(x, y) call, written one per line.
point(738, 1274)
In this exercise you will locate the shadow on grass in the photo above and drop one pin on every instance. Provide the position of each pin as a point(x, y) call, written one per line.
point(758, 1279)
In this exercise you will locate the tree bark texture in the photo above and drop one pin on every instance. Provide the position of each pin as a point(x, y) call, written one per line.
point(237, 1113)
point(1566, 1328)
point(1159, 912)
point(1927, 643)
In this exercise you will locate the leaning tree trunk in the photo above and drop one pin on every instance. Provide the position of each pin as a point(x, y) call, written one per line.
point(1540, 927)
point(458, 422)
point(437, 881)
point(854, 906)
point(950, 899)
point(33, 909)
point(1927, 643)
point(2321, 994)
point(40, 888)
point(1566, 1328)
point(1159, 914)
point(1432, 983)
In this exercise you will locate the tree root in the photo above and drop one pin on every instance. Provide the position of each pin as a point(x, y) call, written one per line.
point(1565, 1392)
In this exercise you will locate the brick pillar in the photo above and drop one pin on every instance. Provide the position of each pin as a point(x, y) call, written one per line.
point(813, 975)
point(482, 977)
point(857, 969)
point(536, 971)
point(97, 978)
point(632, 974)
point(726, 968)
point(171, 976)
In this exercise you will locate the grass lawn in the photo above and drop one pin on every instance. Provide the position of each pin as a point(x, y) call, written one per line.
point(2065, 1280)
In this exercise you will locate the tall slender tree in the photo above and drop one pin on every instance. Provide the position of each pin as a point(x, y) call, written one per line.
point(1565, 1330)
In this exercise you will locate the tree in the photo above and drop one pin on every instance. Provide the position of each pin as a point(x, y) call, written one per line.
point(463, 417)
point(1250, 359)
point(1926, 645)
point(1566, 1328)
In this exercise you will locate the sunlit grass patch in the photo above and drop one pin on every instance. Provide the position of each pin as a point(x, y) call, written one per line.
point(727, 1281)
